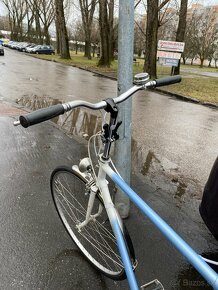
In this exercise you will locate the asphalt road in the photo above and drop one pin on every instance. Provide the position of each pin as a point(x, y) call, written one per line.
point(174, 142)
point(36, 253)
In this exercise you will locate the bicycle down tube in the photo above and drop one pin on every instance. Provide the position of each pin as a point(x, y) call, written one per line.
point(197, 261)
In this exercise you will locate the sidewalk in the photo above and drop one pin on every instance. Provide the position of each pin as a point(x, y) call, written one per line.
point(36, 252)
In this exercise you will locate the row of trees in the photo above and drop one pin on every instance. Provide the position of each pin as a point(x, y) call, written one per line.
point(166, 19)
point(30, 19)
point(202, 36)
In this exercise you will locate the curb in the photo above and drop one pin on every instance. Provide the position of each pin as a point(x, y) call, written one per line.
point(188, 99)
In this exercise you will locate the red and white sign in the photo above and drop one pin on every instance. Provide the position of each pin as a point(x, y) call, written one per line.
point(168, 54)
point(173, 46)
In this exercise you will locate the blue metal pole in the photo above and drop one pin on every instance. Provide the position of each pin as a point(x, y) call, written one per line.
point(200, 265)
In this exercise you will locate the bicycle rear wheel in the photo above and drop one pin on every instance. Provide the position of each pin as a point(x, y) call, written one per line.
point(96, 240)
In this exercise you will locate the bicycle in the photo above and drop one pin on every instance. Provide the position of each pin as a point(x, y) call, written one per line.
point(83, 201)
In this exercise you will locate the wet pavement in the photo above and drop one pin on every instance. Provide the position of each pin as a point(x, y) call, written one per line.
point(36, 252)
point(174, 142)
point(24, 76)
point(180, 143)
point(173, 149)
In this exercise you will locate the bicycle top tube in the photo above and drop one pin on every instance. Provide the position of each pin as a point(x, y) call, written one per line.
point(141, 83)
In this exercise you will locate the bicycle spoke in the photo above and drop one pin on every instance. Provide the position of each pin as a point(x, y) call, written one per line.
point(94, 238)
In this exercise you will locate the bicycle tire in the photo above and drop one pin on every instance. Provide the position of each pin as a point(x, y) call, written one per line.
point(96, 240)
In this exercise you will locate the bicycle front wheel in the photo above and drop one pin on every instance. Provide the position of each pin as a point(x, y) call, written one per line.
point(96, 240)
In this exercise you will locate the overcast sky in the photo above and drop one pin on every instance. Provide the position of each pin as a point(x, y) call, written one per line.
point(3, 10)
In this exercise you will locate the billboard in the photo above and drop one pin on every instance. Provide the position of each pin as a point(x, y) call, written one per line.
point(168, 54)
point(173, 46)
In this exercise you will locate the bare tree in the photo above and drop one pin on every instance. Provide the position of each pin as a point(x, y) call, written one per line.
point(46, 14)
point(77, 34)
point(87, 8)
point(191, 49)
point(105, 59)
point(30, 20)
point(167, 21)
point(180, 34)
point(151, 38)
point(16, 12)
point(153, 8)
point(35, 11)
point(95, 37)
point(139, 35)
point(43, 12)
point(4, 23)
point(61, 30)
point(206, 32)
point(111, 28)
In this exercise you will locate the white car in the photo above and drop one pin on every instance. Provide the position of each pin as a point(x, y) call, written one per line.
point(31, 48)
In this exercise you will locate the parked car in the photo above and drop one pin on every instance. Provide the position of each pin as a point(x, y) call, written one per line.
point(14, 45)
point(31, 47)
point(8, 44)
point(21, 46)
point(43, 49)
point(2, 50)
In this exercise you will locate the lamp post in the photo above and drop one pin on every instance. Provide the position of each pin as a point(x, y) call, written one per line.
point(125, 79)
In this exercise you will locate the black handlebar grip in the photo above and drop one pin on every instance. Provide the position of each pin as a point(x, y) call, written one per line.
point(41, 115)
point(168, 81)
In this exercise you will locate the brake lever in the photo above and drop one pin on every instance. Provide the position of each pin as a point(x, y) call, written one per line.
point(115, 135)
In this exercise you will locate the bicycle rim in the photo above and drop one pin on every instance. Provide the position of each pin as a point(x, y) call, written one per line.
point(96, 240)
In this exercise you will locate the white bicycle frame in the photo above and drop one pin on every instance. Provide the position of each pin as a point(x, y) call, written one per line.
point(196, 260)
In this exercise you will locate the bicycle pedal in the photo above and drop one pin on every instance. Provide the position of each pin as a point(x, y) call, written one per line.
point(153, 285)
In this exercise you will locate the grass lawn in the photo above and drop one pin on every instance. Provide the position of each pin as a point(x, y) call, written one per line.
point(205, 89)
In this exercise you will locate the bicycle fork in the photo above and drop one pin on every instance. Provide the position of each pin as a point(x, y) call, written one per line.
point(92, 190)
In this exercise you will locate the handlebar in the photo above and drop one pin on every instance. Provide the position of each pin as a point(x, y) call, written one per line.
point(141, 81)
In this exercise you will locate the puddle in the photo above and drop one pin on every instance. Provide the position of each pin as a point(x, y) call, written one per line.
point(160, 171)
point(165, 175)
point(78, 122)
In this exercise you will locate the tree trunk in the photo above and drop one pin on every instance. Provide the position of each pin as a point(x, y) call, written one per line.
point(88, 46)
point(62, 33)
point(151, 38)
point(57, 37)
point(87, 10)
point(93, 50)
point(104, 29)
point(184, 60)
point(47, 35)
point(38, 29)
point(111, 28)
point(202, 62)
point(180, 34)
point(76, 46)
